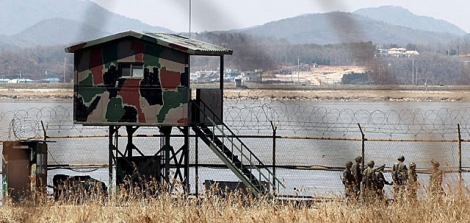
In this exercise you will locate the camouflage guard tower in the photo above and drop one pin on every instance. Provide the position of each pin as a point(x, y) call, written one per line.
point(134, 79)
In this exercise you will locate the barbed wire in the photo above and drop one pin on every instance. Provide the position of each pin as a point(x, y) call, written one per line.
point(258, 117)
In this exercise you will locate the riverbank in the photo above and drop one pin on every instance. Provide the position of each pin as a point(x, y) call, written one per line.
point(35, 94)
point(359, 93)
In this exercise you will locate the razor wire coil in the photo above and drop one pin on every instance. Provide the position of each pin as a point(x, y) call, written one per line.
point(259, 117)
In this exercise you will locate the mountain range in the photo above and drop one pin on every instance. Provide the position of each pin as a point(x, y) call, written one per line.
point(402, 17)
point(71, 21)
point(343, 27)
point(59, 22)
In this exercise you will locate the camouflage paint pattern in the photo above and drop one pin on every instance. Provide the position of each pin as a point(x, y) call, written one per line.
point(103, 96)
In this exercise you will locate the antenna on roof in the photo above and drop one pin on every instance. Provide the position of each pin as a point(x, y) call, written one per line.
point(189, 19)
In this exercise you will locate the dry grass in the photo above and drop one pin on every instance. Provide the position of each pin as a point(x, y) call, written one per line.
point(255, 91)
point(335, 95)
point(237, 207)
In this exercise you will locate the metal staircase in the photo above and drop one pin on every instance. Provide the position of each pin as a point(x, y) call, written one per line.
point(233, 152)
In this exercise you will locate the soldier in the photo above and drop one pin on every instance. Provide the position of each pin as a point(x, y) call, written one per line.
point(412, 182)
point(435, 182)
point(381, 182)
point(348, 180)
point(357, 173)
point(399, 176)
point(369, 182)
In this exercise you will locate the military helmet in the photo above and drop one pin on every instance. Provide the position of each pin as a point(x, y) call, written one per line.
point(358, 158)
point(412, 164)
point(435, 163)
point(401, 158)
point(349, 164)
point(371, 163)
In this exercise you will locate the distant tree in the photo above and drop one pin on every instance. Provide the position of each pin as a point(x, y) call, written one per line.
point(362, 52)
point(34, 62)
point(355, 78)
point(410, 46)
point(391, 45)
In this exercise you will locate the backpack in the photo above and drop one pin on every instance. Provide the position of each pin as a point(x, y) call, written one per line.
point(398, 173)
point(368, 177)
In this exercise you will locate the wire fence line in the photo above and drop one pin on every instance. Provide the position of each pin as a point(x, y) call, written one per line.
point(312, 142)
point(298, 129)
point(259, 118)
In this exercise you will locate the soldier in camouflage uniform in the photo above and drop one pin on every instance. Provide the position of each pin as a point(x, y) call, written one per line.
point(381, 182)
point(399, 176)
point(435, 182)
point(369, 182)
point(357, 173)
point(348, 180)
point(412, 182)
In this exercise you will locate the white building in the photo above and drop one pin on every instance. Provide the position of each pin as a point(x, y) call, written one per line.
point(22, 80)
point(208, 76)
point(402, 52)
point(251, 76)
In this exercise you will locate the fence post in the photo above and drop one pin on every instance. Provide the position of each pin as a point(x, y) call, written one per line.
point(363, 139)
point(196, 165)
point(274, 127)
point(460, 159)
point(113, 132)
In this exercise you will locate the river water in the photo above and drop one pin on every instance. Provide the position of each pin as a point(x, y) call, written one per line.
point(306, 118)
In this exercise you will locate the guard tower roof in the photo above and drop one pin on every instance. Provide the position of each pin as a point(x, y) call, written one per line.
point(173, 41)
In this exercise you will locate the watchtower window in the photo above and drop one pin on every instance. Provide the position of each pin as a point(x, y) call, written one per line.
point(132, 69)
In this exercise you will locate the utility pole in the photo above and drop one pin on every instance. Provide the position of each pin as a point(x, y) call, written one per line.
point(65, 61)
point(298, 70)
point(189, 19)
point(413, 71)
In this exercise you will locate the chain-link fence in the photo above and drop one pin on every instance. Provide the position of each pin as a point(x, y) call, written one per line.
point(309, 144)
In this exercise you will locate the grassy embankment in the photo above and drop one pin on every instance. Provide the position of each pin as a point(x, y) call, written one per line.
point(239, 208)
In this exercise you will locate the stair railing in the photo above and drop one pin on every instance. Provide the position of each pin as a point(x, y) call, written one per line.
point(254, 163)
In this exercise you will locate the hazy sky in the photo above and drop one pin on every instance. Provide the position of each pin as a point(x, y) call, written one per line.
point(209, 15)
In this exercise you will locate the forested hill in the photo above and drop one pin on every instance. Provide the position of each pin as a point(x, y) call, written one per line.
point(61, 22)
point(56, 28)
point(343, 27)
point(60, 19)
point(403, 17)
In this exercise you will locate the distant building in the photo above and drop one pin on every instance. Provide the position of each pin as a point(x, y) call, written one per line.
point(410, 53)
point(22, 80)
point(193, 77)
point(251, 76)
point(50, 80)
point(208, 76)
point(4, 80)
point(398, 52)
point(231, 74)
